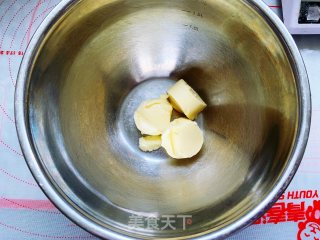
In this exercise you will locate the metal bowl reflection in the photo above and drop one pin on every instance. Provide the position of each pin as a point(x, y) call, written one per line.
point(91, 63)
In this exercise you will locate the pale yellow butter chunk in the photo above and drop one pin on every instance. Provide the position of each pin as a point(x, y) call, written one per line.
point(164, 96)
point(183, 139)
point(150, 143)
point(184, 99)
point(153, 117)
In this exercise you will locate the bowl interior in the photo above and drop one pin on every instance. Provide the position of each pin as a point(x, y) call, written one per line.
point(101, 59)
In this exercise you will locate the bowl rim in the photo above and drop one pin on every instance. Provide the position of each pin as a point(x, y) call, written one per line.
point(59, 199)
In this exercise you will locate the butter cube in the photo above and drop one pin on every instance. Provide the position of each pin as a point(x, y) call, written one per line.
point(184, 99)
point(183, 139)
point(150, 143)
point(153, 116)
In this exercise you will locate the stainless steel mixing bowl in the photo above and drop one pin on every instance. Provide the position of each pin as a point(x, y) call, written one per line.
point(91, 63)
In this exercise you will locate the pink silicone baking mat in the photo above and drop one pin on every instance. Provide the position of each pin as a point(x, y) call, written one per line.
point(26, 213)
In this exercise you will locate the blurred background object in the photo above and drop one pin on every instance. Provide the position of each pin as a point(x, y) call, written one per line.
point(302, 16)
